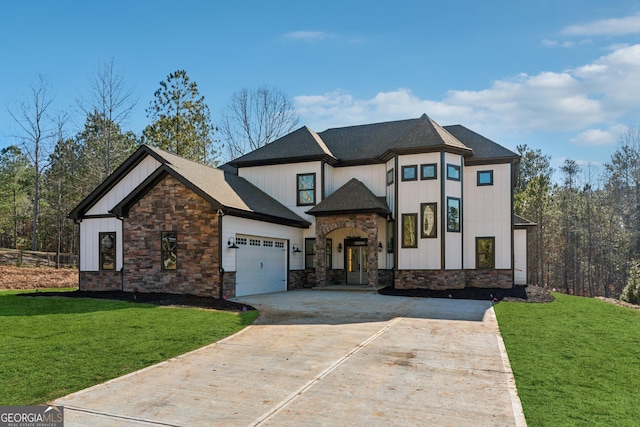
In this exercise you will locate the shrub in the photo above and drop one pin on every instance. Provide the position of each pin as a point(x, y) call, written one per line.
point(631, 292)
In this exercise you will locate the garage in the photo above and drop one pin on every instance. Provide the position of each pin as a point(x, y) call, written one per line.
point(261, 265)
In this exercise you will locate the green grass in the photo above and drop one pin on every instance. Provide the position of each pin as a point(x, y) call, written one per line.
point(576, 361)
point(53, 346)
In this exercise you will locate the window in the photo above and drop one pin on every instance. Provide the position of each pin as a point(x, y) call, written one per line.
point(306, 189)
point(410, 230)
point(429, 171)
point(390, 174)
point(453, 172)
point(485, 252)
point(485, 178)
point(107, 250)
point(169, 256)
point(410, 173)
point(310, 253)
point(391, 231)
point(429, 215)
point(453, 214)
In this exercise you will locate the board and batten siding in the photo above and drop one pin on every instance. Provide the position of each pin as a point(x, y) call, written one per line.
point(453, 243)
point(427, 256)
point(487, 213)
point(125, 186)
point(279, 181)
point(372, 176)
point(233, 226)
point(520, 257)
point(90, 229)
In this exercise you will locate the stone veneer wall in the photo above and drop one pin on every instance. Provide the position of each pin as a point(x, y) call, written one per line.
point(229, 284)
point(302, 279)
point(171, 206)
point(105, 280)
point(385, 278)
point(453, 279)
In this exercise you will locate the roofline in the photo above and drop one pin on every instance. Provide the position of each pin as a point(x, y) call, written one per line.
point(389, 154)
point(112, 180)
point(266, 218)
point(283, 160)
point(379, 211)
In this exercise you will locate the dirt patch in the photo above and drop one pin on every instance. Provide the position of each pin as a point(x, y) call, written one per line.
point(12, 277)
point(620, 303)
point(517, 293)
point(156, 298)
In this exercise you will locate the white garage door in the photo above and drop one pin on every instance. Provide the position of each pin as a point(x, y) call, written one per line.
point(261, 265)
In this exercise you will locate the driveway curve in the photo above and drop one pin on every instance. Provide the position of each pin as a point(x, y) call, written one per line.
point(325, 358)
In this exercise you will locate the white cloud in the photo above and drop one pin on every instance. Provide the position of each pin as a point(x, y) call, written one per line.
point(612, 26)
point(308, 36)
point(586, 99)
point(596, 137)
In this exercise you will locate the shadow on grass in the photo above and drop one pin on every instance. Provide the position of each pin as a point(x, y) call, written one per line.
point(20, 305)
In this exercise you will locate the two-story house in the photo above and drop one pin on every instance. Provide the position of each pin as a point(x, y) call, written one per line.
point(408, 203)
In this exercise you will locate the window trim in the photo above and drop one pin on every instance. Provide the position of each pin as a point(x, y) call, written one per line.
point(163, 250)
point(300, 190)
point(415, 172)
point(459, 222)
point(435, 171)
point(493, 253)
point(101, 252)
point(481, 184)
point(414, 232)
point(451, 166)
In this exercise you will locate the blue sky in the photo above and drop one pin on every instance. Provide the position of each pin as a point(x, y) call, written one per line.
point(562, 76)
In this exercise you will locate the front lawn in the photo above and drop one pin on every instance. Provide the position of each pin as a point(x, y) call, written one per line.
point(50, 347)
point(576, 361)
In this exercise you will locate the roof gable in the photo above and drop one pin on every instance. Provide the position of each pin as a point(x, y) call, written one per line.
point(352, 197)
point(483, 148)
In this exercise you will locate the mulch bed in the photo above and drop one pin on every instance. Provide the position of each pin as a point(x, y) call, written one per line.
point(156, 298)
point(517, 293)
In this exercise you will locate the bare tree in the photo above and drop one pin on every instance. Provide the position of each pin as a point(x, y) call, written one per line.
point(37, 132)
point(256, 117)
point(111, 100)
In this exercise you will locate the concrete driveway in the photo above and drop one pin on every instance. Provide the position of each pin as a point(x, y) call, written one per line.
point(325, 358)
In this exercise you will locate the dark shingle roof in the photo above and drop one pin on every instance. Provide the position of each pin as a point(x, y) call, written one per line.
point(352, 197)
point(483, 148)
point(374, 143)
point(520, 222)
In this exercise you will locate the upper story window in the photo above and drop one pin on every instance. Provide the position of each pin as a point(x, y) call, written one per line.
point(410, 173)
point(429, 171)
point(453, 172)
point(390, 174)
point(485, 178)
point(306, 185)
point(107, 250)
point(168, 250)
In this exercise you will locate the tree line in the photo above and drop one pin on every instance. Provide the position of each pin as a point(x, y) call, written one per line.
point(45, 173)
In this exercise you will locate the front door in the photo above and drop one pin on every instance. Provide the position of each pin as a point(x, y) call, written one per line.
point(357, 253)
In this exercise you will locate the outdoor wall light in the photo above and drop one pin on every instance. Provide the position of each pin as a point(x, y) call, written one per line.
point(339, 247)
point(232, 243)
point(379, 246)
point(296, 249)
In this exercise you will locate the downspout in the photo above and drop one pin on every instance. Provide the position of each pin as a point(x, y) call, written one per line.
point(220, 214)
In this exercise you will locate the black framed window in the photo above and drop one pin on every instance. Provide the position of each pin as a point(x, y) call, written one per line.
point(306, 187)
point(169, 252)
point(107, 250)
point(453, 214)
point(410, 173)
point(310, 253)
point(453, 172)
point(391, 232)
point(428, 220)
point(390, 174)
point(429, 171)
point(410, 230)
point(485, 252)
point(485, 178)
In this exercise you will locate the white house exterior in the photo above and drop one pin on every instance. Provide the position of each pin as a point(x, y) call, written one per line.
point(409, 204)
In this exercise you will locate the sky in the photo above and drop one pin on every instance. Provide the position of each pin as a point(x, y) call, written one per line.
point(562, 76)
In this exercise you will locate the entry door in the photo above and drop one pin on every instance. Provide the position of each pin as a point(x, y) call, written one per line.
point(357, 255)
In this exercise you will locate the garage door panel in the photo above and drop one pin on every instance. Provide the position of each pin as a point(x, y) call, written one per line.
point(261, 265)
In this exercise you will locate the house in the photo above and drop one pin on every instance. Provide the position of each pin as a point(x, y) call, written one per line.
point(407, 203)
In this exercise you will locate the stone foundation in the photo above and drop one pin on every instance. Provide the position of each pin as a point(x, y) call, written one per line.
point(302, 279)
point(385, 278)
point(229, 284)
point(453, 279)
point(100, 280)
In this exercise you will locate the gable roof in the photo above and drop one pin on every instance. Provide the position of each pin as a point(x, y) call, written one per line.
point(226, 191)
point(353, 197)
point(375, 143)
point(519, 222)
